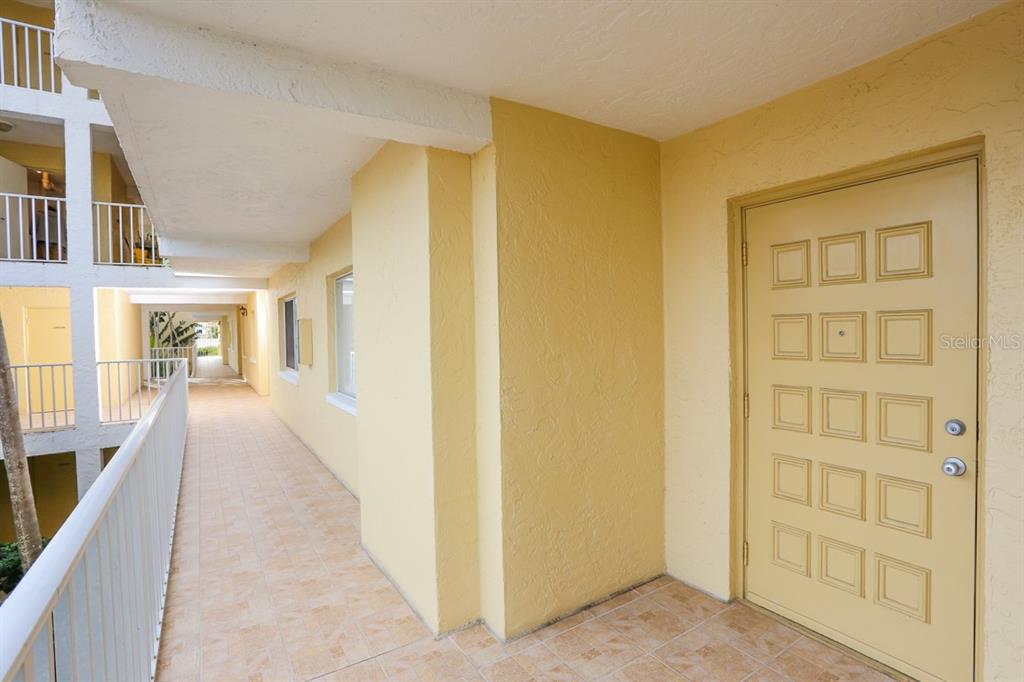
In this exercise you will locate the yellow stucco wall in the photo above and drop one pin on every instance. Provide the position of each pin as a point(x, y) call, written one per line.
point(955, 85)
point(412, 248)
point(452, 377)
point(118, 337)
point(327, 430)
point(254, 332)
point(14, 302)
point(390, 243)
point(30, 14)
point(580, 361)
point(54, 487)
point(490, 538)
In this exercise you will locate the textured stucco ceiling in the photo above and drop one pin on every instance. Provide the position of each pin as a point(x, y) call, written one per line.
point(252, 171)
point(654, 68)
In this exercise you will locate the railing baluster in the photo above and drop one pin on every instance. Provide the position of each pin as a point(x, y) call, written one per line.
point(28, 66)
point(120, 235)
point(21, 227)
point(14, 53)
point(53, 396)
point(35, 236)
point(7, 224)
point(28, 397)
point(64, 384)
point(131, 219)
point(3, 54)
point(46, 226)
point(60, 232)
point(39, 59)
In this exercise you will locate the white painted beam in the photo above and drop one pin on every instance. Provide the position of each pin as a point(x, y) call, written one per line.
point(289, 252)
point(184, 297)
point(100, 43)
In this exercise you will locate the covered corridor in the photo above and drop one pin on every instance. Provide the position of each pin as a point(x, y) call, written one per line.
point(269, 582)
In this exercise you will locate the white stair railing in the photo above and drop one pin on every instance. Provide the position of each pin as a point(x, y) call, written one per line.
point(124, 235)
point(92, 606)
point(26, 57)
point(45, 396)
point(34, 228)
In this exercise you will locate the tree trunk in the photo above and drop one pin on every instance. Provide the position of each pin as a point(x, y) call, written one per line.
point(23, 504)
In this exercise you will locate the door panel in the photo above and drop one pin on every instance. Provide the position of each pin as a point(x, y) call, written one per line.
point(853, 529)
point(48, 341)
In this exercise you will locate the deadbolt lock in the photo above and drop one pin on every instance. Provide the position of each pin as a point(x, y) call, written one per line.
point(955, 427)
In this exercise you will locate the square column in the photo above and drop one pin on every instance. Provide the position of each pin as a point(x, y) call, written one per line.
point(78, 170)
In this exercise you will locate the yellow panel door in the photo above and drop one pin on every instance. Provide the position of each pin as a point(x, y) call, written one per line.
point(861, 309)
point(48, 342)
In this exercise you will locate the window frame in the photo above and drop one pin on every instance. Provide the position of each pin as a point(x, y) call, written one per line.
point(337, 397)
point(288, 372)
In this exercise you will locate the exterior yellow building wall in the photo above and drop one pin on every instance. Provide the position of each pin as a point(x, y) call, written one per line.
point(955, 85)
point(54, 487)
point(327, 430)
point(450, 187)
point(107, 183)
point(118, 337)
point(14, 302)
point(579, 356)
point(254, 327)
point(490, 538)
point(29, 14)
point(412, 247)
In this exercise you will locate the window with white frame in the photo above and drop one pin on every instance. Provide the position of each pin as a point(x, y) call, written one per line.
point(290, 335)
point(344, 338)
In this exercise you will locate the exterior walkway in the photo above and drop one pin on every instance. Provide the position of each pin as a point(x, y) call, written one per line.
point(268, 582)
point(212, 368)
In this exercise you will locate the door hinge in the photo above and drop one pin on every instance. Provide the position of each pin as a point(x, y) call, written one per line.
point(746, 553)
point(746, 405)
point(743, 253)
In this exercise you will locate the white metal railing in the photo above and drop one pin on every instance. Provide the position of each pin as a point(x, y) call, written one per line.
point(34, 228)
point(92, 606)
point(187, 353)
point(26, 57)
point(45, 396)
point(125, 235)
point(127, 388)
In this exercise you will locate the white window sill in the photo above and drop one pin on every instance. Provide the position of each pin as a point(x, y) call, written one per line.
point(289, 375)
point(345, 403)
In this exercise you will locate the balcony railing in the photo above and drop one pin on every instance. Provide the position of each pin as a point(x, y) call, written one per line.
point(187, 353)
point(128, 387)
point(124, 235)
point(45, 395)
point(26, 57)
point(34, 228)
point(92, 606)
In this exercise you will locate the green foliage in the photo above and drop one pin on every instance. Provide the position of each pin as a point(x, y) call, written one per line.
point(164, 332)
point(203, 351)
point(10, 565)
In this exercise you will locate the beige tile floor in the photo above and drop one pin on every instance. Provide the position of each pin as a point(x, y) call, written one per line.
point(268, 582)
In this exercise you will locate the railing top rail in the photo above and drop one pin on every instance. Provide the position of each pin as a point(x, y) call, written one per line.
point(31, 196)
point(118, 204)
point(42, 364)
point(26, 610)
point(5, 20)
point(118, 362)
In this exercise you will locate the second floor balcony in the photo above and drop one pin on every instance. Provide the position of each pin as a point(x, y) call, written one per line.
point(26, 57)
point(36, 229)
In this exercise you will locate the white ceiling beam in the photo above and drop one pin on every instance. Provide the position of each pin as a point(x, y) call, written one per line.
point(189, 298)
point(98, 43)
point(287, 252)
